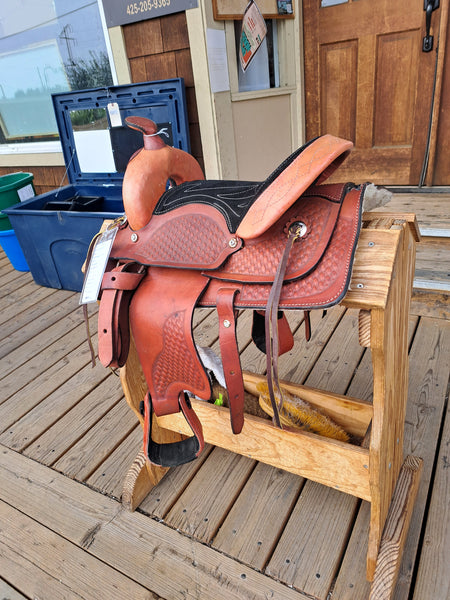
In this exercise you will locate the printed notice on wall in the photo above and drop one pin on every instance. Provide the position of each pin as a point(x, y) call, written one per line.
point(253, 32)
point(217, 60)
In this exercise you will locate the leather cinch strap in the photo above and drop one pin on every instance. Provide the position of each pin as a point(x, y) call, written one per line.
point(175, 453)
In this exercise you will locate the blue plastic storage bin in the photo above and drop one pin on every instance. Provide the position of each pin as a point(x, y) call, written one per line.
point(56, 228)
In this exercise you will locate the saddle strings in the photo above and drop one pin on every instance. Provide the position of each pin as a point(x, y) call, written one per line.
point(271, 325)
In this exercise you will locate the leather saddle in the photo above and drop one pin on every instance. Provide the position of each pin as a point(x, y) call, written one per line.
point(285, 243)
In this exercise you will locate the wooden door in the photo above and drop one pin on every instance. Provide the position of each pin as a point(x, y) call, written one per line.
point(367, 79)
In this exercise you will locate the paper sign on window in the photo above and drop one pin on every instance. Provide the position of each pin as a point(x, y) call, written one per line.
point(253, 32)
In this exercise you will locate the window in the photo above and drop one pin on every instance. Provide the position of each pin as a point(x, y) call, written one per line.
point(263, 70)
point(46, 46)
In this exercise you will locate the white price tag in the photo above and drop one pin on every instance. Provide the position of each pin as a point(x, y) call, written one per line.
point(114, 114)
point(97, 265)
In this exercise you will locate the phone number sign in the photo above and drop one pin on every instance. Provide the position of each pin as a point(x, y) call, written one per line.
point(121, 12)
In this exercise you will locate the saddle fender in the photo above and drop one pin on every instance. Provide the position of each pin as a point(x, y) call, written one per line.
point(149, 170)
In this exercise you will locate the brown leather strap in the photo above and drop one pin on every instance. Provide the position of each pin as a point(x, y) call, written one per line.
point(175, 453)
point(230, 356)
point(307, 319)
point(118, 286)
point(272, 340)
point(88, 334)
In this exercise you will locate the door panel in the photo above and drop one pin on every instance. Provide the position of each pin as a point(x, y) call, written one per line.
point(395, 88)
point(368, 80)
point(338, 63)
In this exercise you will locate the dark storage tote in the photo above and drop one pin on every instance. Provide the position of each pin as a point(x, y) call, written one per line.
point(56, 228)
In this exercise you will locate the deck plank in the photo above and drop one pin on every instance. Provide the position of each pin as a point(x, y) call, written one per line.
point(257, 519)
point(9, 593)
point(200, 515)
point(433, 263)
point(109, 476)
point(173, 564)
point(70, 377)
point(76, 422)
point(296, 364)
point(22, 298)
point(19, 377)
point(34, 312)
point(12, 280)
point(334, 368)
point(163, 496)
point(309, 551)
point(313, 571)
point(433, 577)
point(428, 380)
point(85, 456)
point(432, 210)
point(21, 350)
point(45, 565)
point(152, 554)
point(431, 304)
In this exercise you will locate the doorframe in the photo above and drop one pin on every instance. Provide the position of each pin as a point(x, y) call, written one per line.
point(441, 49)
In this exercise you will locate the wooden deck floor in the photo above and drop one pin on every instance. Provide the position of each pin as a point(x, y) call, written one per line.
point(223, 527)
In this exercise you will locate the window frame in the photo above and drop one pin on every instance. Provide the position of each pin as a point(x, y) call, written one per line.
point(286, 62)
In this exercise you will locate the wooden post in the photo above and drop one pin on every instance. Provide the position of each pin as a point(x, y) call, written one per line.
point(389, 345)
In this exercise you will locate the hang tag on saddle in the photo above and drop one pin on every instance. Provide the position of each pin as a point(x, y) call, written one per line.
point(97, 266)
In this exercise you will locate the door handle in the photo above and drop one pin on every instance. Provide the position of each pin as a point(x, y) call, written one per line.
point(429, 7)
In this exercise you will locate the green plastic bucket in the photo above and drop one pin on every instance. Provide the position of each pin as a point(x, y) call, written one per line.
point(14, 188)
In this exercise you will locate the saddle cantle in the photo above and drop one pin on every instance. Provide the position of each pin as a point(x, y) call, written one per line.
point(285, 243)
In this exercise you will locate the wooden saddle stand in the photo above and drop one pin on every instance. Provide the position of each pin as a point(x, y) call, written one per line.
point(290, 242)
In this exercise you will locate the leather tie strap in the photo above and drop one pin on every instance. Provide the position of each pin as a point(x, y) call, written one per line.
point(175, 453)
point(271, 329)
point(230, 356)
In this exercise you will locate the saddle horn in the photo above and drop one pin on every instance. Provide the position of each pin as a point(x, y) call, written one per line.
point(149, 170)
